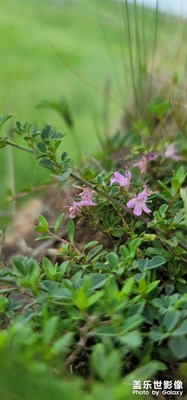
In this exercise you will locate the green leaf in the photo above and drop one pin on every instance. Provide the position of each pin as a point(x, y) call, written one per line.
point(63, 177)
point(19, 264)
point(113, 259)
point(93, 252)
point(41, 147)
point(132, 322)
point(183, 194)
point(158, 106)
point(171, 319)
point(135, 243)
point(177, 180)
point(131, 339)
point(58, 222)
point(127, 287)
point(152, 286)
point(62, 345)
point(182, 330)
point(46, 163)
point(48, 267)
point(124, 251)
point(163, 208)
point(90, 244)
point(94, 298)
point(50, 328)
point(155, 262)
point(46, 133)
point(178, 347)
point(71, 230)
point(109, 363)
point(118, 232)
point(4, 119)
point(43, 223)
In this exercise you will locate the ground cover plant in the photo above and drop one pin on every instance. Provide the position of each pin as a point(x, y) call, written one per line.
point(108, 314)
point(94, 315)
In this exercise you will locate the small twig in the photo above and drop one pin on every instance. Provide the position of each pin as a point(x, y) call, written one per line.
point(2, 244)
point(18, 146)
point(33, 190)
point(56, 237)
point(11, 175)
point(82, 341)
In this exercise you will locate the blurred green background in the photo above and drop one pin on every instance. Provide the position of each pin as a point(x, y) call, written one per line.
point(89, 37)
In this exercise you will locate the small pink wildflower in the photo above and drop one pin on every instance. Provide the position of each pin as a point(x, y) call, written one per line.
point(74, 210)
point(143, 163)
point(152, 156)
point(139, 202)
point(86, 201)
point(86, 197)
point(121, 179)
point(171, 152)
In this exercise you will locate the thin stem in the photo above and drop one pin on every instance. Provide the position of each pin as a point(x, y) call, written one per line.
point(56, 237)
point(11, 175)
point(90, 84)
point(18, 146)
point(126, 10)
point(33, 190)
point(154, 49)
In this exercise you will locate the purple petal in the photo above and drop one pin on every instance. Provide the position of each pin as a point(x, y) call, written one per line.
point(86, 203)
point(137, 210)
point(152, 156)
point(146, 209)
point(131, 203)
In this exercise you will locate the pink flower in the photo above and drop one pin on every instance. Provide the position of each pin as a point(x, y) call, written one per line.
point(139, 203)
point(86, 197)
point(74, 210)
point(151, 156)
point(86, 201)
point(171, 152)
point(121, 179)
point(142, 165)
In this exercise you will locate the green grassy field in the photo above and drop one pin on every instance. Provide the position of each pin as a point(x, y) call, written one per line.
point(90, 37)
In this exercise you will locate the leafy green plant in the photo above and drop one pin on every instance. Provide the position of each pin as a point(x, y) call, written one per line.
point(98, 311)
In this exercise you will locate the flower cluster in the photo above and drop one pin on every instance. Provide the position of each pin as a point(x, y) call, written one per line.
point(86, 201)
point(138, 203)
